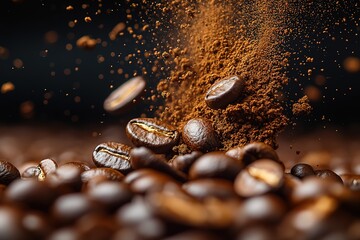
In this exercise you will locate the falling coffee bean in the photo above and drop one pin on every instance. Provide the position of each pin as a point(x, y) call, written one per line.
point(224, 92)
point(199, 135)
point(8, 173)
point(126, 96)
point(113, 155)
point(302, 170)
point(153, 134)
point(260, 177)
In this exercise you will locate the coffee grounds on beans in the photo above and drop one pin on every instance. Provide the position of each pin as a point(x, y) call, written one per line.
point(219, 39)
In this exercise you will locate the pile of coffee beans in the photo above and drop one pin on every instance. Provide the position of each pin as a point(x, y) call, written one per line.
point(146, 191)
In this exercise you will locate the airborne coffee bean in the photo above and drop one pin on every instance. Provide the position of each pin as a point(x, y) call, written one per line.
point(259, 177)
point(8, 173)
point(153, 134)
point(302, 170)
point(224, 92)
point(215, 165)
point(127, 95)
point(113, 155)
point(199, 135)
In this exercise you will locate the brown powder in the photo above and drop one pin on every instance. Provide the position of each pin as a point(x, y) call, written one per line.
point(218, 39)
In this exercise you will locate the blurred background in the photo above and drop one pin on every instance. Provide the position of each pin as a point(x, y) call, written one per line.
point(46, 78)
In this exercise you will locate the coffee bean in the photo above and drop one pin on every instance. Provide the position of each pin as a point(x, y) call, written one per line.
point(135, 212)
point(30, 193)
point(96, 226)
point(108, 173)
point(253, 151)
point(183, 162)
point(199, 135)
point(259, 177)
point(328, 175)
point(258, 232)
point(8, 173)
point(352, 181)
point(46, 167)
point(31, 172)
point(210, 188)
point(68, 208)
point(113, 155)
point(126, 96)
point(80, 165)
point(151, 133)
point(148, 183)
point(36, 224)
point(215, 165)
point(302, 170)
point(110, 195)
point(11, 226)
point(68, 176)
point(144, 158)
point(260, 209)
point(224, 92)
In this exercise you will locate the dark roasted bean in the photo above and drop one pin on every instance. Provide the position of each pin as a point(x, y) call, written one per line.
point(144, 158)
point(70, 207)
point(80, 165)
point(30, 193)
point(199, 135)
point(328, 175)
point(46, 167)
point(302, 170)
point(210, 188)
point(65, 233)
point(108, 173)
point(36, 224)
point(66, 176)
point(184, 162)
point(215, 165)
point(224, 92)
point(96, 226)
point(259, 177)
point(110, 195)
point(151, 133)
point(253, 151)
point(125, 96)
point(113, 155)
point(8, 173)
point(148, 183)
point(134, 212)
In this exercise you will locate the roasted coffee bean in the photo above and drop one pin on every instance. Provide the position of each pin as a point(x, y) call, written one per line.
point(302, 170)
point(66, 176)
point(215, 165)
point(153, 134)
point(199, 135)
point(30, 193)
point(31, 172)
point(11, 226)
point(108, 173)
point(259, 177)
point(210, 188)
point(184, 162)
point(253, 151)
point(70, 207)
point(134, 175)
point(260, 209)
point(46, 167)
point(224, 92)
point(256, 232)
point(65, 233)
point(135, 212)
point(96, 226)
point(152, 228)
point(144, 158)
point(8, 173)
point(126, 96)
point(80, 165)
point(113, 155)
point(328, 175)
point(352, 181)
point(110, 195)
point(36, 224)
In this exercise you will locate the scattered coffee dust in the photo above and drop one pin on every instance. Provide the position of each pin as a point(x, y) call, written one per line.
point(302, 106)
point(218, 39)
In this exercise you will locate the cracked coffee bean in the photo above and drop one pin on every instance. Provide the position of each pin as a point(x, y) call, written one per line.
point(199, 135)
point(224, 92)
point(260, 177)
point(113, 155)
point(8, 173)
point(153, 134)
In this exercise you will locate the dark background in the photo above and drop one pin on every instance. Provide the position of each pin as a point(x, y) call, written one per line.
point(23, 25)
